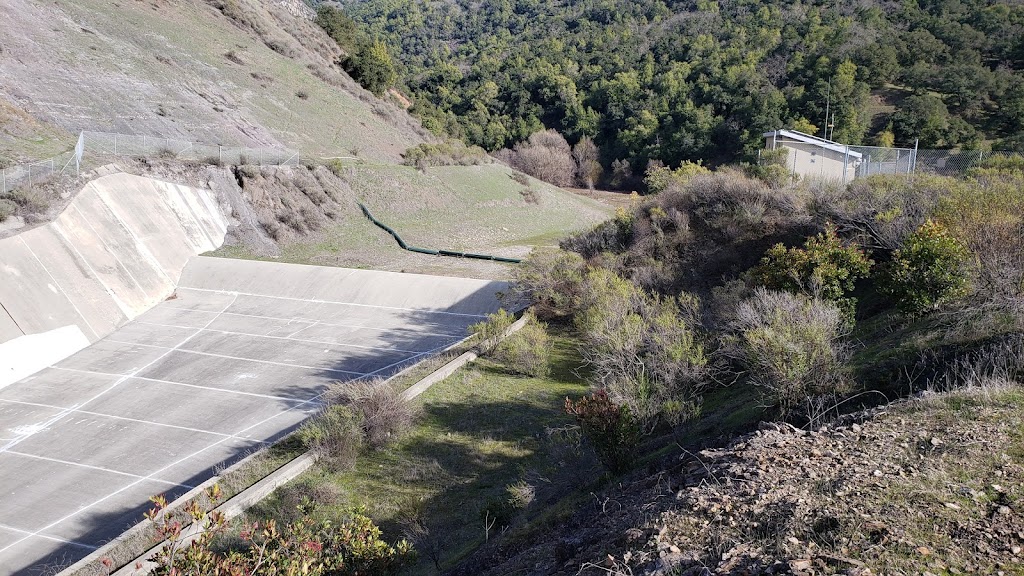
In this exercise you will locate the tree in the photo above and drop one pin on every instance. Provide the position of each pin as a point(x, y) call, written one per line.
point(588, 165)
point(373, 68)
point(339, 27)
point(923, 117)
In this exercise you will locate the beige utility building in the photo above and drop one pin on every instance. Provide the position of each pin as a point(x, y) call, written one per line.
point(813, 157)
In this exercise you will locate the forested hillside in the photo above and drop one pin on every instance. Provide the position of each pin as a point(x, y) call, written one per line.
point(700, 79)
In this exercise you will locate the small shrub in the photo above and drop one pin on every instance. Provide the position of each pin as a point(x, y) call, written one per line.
point(530, 195)
point(521, 494)
point(520, 178)
point(824, 268)
point(7, 209)
point(790, 345)
point(336, 435)
point(528, 351)
point(382, 413)
point(302, 95)
point(490, 330)
point(213, 161)
point(609, 428)
point(928, 271)
point(772, 169)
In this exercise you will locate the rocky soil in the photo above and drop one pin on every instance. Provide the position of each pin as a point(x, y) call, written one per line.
point(931, 485)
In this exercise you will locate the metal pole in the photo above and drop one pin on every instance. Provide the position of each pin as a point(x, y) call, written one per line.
point(912, 167)
point(220, 154)
point(115, 144)
point(846, 163)
point(896, 168)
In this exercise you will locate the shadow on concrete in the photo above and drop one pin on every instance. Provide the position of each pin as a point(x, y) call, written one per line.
point(102, 527)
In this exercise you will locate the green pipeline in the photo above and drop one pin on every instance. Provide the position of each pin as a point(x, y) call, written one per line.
point(451, 253)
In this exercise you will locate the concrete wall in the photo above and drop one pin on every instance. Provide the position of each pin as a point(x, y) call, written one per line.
point(116, 250)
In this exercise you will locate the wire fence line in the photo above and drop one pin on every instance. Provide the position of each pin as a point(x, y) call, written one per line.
point(111, 144)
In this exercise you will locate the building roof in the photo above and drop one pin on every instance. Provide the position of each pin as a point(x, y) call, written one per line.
point(807, 138)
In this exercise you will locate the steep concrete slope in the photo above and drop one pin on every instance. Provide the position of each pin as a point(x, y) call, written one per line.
point(115, 252)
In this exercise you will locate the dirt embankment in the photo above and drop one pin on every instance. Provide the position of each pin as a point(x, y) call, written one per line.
point(931, 485)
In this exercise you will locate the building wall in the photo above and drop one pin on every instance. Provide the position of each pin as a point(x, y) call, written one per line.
point(809, 160)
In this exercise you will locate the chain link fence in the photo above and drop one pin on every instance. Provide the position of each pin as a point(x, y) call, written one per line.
point(109, 144)
point(812, 157)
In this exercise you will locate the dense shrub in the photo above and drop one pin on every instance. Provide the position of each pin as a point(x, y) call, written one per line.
point(552, 281)
point(335, 435)
point(527, 351)
point(772, 168)
point(790, 345)
point(928, 271)
point(661, 178)
point(882, 210)
point(609, 428)
point(545, 156)
point(643, 348)
point(342, 29)
point(823, 268)
point(444, 154)
point(381, 412)
point(350, 547)
point(987, 215)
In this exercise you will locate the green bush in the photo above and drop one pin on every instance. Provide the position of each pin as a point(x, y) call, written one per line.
point(610, 429)
point(661, 178)
point(445, 154)
point(823, 268)
point(342, 29)
point(987, 215)
point(928, 271)
point(350, 547)
point(642, 348)
point(336, 435)
point(790, 345)
point(490, 330)
point(528, 351)
point(551, 281)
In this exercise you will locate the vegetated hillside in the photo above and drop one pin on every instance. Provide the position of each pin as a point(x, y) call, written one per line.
point(702, 80)
point(231, 72)
point(723, 300)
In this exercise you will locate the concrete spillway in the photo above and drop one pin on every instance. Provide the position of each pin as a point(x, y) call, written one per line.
point(116, 251)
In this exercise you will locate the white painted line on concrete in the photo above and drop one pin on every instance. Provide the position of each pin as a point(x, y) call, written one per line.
point(318, 342)
point(186, 351)
point(21, 437)
point(125, 418)
point(321, 323)
point(90, 467)
point(53, 538)
point(59, 287)
point(317, 301)
point(171, 382)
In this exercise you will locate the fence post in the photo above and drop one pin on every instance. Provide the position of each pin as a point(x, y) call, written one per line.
point(846, 163)
point(3, 178)
point(115, 144)
point(220, 154)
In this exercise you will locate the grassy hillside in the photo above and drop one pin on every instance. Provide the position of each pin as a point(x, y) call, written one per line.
point(235, 72)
